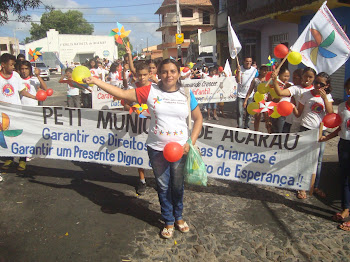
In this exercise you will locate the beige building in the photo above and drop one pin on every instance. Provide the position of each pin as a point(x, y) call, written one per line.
point(9, 45)
point(194, 15)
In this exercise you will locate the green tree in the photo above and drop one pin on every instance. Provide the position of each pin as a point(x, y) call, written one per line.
point(16, 7)
point(121, 48)
point(71, 22)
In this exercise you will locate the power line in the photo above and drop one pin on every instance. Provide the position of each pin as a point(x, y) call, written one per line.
point(100, 22)
point(109, 7)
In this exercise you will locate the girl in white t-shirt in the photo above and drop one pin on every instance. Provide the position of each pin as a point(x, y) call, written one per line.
point(313, 106)
point(113, 75)
point(31, 82)
point(344, 157)
point(295, 92)
point(167, 103)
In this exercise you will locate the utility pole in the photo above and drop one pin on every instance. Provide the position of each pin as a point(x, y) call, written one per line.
point(178, 27)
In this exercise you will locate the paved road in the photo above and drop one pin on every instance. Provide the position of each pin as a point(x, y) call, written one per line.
point(71, 211)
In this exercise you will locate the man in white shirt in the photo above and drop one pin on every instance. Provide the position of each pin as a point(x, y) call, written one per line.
point(244, 77)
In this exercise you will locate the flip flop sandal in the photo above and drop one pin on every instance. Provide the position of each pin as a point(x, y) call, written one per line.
point(319, 193)
point(345, 226)
point(183, 228)
point(167, 232)
point(338, 217)
point(301, 195)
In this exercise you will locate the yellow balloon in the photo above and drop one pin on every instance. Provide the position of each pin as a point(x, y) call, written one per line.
point(294, 58)
point(273, 93)
point(275, 114)
point(79, 73)
point(251, 107)
point(262, 88)
point(190, 65)
point(258, 97)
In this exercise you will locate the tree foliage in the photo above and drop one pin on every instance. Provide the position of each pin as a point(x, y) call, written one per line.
point(16, 7)
point(71, 22)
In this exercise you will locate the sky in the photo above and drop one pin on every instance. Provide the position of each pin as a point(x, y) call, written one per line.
point(136, 15)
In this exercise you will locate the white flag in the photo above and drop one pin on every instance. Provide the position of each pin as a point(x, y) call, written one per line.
point(233, 42)
point(227, 68)
point(323, 44)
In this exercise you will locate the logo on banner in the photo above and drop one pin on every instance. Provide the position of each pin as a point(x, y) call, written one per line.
point(8, 90)
point(4, 126)
point(319, 45)
point(317, 108)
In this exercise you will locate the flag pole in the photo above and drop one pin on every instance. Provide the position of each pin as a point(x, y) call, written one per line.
point(279, 67)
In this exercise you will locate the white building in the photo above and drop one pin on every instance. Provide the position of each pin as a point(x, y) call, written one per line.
point(9, 45)
point(75, 48)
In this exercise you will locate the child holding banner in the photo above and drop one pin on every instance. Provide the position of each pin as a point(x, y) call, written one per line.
point(12, 87)
point(142, 75)
point(169, 108)
point(344, 157)
point(313, 106)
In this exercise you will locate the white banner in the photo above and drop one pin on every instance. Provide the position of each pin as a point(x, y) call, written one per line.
point(117, 138)
point(103, 100)
point(213, 90)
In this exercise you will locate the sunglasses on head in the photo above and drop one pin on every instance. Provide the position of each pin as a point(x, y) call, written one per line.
point(320, 84)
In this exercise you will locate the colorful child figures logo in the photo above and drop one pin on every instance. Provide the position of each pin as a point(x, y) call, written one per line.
point(4, 130)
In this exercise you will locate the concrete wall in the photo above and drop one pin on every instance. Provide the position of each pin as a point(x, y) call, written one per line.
point(277, 28)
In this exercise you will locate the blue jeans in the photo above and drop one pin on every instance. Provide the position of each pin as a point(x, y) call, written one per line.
point(241, 112)
point(278, 124)
point(170, 185)
point(320, 157)
point(344, 164)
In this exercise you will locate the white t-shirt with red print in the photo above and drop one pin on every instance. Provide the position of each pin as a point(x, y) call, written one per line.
point(168, 111)
point(296, 91)
point(10, 88)
point(94, 73)
point(344, 112)
point(114, 78)
point(314, 109)
point(32, 85)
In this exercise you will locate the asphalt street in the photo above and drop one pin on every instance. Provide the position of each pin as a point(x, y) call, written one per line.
point(72, 211)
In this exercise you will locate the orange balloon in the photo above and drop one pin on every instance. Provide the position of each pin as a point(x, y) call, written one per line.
point(285, 108)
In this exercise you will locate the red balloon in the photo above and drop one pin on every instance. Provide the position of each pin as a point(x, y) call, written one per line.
point(49, 92)
point(185, 70)
point(41, 95)
point(280, 51)
point(173, 152)
point(285, 108)
point(332, 120)
point(268, 76)
point(220, 69)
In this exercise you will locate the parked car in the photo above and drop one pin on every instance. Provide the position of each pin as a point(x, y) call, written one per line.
point(208, 59)
point(44, 70)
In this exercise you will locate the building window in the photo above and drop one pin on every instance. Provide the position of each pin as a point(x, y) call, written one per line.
point(277, 39)
point(187, 13)
point(206, 18)
point(3, 47)
point(222, 5)
point(187, 35)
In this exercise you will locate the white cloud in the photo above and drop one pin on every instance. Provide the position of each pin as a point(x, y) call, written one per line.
point(105, 11)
